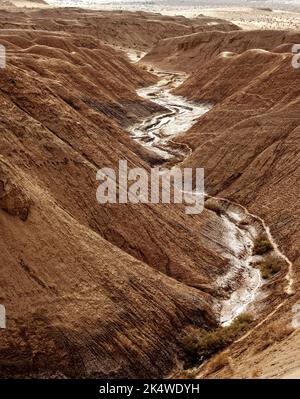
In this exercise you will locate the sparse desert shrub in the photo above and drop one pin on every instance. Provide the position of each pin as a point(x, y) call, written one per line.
point(201, 344)
point(269, 266)
point(244, 222)
point(190, 341)
point(262, 245)
point(268, 9)
point(218, 363)
point(242, 321)
point(187, 374)
point(213, 205)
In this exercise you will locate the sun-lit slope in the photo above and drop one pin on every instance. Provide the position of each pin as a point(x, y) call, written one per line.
point(189, 53)
point(227, 73)
point(139, 30)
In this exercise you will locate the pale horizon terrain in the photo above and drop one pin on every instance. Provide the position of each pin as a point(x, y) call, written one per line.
point(246, 14)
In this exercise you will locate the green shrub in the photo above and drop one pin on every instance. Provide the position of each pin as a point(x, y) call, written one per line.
point(200, 343)
point(262, 245)
point(269, 266)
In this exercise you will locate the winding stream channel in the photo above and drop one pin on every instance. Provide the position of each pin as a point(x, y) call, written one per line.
point(156, 132)
point(243, 281)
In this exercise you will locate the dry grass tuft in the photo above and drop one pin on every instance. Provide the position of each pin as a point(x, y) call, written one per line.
point(262, 245)
point(243, 222)
point(269, 266)
point(256, 373)
point(218, 363)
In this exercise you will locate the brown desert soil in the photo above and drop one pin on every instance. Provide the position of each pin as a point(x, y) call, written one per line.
point(106, 291)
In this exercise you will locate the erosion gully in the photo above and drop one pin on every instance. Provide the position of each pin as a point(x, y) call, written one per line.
point(242, 282)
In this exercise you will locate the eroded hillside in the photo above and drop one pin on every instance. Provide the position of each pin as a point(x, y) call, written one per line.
point(106, 291)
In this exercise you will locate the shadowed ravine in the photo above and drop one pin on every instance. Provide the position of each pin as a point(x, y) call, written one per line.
point(242, 284)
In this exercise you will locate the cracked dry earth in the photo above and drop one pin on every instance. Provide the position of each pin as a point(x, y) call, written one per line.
point(107, 291)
